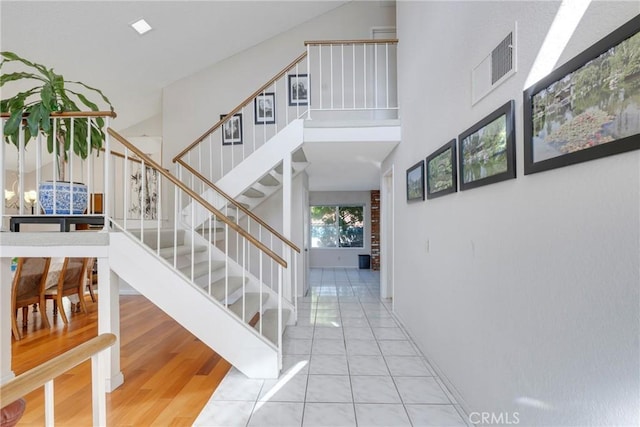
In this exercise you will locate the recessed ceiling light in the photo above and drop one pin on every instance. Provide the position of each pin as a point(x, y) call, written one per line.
point(141, 26)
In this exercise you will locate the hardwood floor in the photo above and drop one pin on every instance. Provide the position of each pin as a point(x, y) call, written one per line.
point(169, 374)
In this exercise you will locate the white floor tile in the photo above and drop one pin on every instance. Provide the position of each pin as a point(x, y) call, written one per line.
point(352, 312)
point(367, 365)
point(354, 322)
point(389, 334)
point(225, 414)
point(238, 387)
point(277, 414)
point(328, 334)
point(362, 348)
point(389, 415)
point(328, 322)
point(296, 363)
point(407, 366)
point(382, 322)
point(329, 389)
point(374, 389)
point(434, 416)
point(328, 347)
point(328, 365)
point(284, 389)
point(299, 332)
point(397, 348)
point(292, 346)
point(420, 390)
point(329, 414)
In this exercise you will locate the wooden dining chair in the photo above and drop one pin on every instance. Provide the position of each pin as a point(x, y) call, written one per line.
point(28, 288)
point(71, 282)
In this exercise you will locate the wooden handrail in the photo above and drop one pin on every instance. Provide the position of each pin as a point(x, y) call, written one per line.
point(219, 215)
point(32, 379)
point(240, 106)
point(239, 206)
point(367, 41)
point(111, 114)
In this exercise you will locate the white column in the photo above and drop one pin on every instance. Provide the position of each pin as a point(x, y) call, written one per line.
point(5, 319)
point(287, 204)
point(109, 321)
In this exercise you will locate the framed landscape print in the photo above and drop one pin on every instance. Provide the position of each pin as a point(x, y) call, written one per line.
point(232, 130)
point(298, 89)
point(265, 108)
point(415, 182)
point(587, 108)
point(487, 149)
point(442, 176)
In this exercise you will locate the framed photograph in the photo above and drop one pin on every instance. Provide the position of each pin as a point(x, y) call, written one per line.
point(264, 109)
point(589, 107)
point(415, 182)
point(442, 171)
point(298, 89)
point(232, 130)
point(487, 151)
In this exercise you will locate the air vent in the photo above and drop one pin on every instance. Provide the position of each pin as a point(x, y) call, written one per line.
point(502, 59)
point(495, 68)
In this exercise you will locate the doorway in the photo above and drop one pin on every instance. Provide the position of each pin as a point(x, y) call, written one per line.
point(386, 236)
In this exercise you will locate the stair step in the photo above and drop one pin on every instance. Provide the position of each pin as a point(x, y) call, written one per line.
point(279, 169)
point(244, 205)
point(181, 250)
point(253, 193)
point(299, 156)
point(166, 237)
point(218, 287)
point(269, 181)
point(252, 305)
point(270, 324)
point(202, 268)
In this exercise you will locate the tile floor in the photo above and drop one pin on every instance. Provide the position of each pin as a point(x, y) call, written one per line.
point(346, 363)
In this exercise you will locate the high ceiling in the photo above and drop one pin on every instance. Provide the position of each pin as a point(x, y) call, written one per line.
point(92, 41)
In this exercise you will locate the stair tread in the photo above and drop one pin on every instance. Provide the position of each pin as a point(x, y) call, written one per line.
point(218, 287)
point(279, 169)
point(181, 250)
point(270, 324)
point(299, 156)
point(252, 305)
point(202, 268)
point(166, 236)
point(268, 181)
point(253, 193)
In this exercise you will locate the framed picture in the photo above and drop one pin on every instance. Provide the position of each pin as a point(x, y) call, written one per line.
point(442, 171)
point(487, 151)
point(265, 109)
point(589, 107)
point(232, 130)
point(298, 89)
point(415, 182)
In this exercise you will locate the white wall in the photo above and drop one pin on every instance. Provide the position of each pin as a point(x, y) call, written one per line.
point(341, 257)
point(192, 105)
point(526, 296)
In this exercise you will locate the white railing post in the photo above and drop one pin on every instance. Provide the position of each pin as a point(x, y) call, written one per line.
point(310, 77)
point(108, 162)
point(21, 143)
point(287, 203)
point(3, 168)
point(279, 331)
point(98, 389)
point(49, 417)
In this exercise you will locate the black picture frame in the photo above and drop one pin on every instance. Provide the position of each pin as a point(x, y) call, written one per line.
point(568, 120)
point(264, 109)
point(231, 131)
point(415, 182)
point(482, 164)
point(442, 171)
point(298, 89)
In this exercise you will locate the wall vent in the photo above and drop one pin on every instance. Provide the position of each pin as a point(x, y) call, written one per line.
point(495, 68)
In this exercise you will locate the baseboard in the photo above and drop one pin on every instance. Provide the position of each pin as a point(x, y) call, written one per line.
point(128, 292)
point(462, 407)
point(114, 382)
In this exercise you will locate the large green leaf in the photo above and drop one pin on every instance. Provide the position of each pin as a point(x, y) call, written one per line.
point(33, 119)
point(12, 125)
point(104, 98)
point(85, 101)
point(5, 78)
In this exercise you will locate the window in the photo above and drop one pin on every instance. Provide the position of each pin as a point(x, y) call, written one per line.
point(337, 226)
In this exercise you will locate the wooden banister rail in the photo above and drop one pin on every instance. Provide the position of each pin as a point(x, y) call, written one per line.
point(219, 215)
point(338, 42)
point(240, 106)
point(38, 376)
point(239, 206)
point(111, 114)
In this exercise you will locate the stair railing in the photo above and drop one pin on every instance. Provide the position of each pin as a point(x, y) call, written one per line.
point(157, 195)
point(28, 165)
point(249, 125)
point(357, 77)
point(44, 374)
point(255, 225)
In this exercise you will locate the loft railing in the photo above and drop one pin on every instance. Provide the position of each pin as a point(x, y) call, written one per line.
point(31, 161)
point(44, 374)
point(224, 239)
point(334, 80)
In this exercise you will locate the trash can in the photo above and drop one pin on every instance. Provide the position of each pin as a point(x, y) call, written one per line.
point(364, 262)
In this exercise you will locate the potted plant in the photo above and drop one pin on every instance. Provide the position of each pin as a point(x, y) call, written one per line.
point(30, 112)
